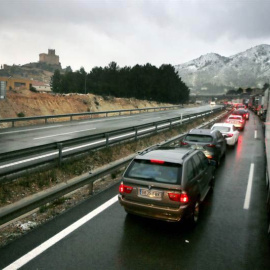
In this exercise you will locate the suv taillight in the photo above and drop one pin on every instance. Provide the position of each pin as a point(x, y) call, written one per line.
point(211, 145)
point(229, 135)
point(184, 143)
point(125, 189)
point(179, 197)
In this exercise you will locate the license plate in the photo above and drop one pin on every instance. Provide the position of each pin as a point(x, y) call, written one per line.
point(153, 194)
point(195, 146)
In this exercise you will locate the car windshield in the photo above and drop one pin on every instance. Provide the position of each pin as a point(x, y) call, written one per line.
point(155, 172)
point(221, 128)
point(199, 138)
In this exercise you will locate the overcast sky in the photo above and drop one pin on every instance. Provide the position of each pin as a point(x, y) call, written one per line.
point(89, 33)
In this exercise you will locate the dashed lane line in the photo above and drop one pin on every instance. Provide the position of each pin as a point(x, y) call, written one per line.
point(61, 134)
point(249, 187)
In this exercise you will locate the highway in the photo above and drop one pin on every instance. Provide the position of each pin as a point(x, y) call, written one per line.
point(12, 139)
point(97, 234)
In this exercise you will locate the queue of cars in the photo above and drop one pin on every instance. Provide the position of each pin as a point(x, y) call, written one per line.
point(171, 183)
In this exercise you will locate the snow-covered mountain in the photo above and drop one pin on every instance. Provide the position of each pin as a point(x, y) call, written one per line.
point(213, 73)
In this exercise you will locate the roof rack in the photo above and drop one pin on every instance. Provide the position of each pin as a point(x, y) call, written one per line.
point(168, 147)
point(188, 153)
point(149, 149)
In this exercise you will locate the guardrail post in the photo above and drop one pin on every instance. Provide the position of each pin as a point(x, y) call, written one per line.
point(156, 130)
point(136, 133)
point(71, 118)
point(119, 113)
point(13, 123)
point(107, 139)
point(60, 148)
point(170, 124)
point(46, 120)
point(90, 186)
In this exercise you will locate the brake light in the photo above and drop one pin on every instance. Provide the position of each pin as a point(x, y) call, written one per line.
point(125, 189)
point(157, 161)
point(183, 143)
point(179, 197)
point(229, 134)
point(211, 145)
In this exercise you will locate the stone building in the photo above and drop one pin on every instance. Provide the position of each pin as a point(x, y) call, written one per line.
point(49, 58)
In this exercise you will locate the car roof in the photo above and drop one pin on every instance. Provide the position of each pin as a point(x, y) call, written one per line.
point(202, 131)
point(222, 125)
point(173, 155)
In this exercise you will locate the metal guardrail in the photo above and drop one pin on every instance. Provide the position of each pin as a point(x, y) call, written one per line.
point(71, 116)
point(57, 151)
point(28, 204)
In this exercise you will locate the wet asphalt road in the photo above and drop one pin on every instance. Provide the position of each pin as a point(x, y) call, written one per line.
point(226, 237)
point(12, 139)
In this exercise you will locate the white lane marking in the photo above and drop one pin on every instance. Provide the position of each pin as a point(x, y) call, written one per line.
point(89, 122)
point(56, 238)
point(108, 119)
point(249, 186)
point(63, 134)
point(255, 135)
point(31, 129)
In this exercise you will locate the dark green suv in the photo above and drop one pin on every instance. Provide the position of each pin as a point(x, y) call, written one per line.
point(167, 184)
point(211, 142)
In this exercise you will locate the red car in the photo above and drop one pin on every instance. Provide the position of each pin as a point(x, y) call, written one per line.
point(237, 120)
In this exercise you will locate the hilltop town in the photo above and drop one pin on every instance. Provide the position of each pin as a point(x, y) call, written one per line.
point(35, 74)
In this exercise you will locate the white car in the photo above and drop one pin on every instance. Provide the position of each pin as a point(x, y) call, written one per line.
point(212, 103)
point(229, 132)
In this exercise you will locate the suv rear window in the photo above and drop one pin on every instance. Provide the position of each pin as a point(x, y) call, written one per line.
point(199, 138)
point(148, 171)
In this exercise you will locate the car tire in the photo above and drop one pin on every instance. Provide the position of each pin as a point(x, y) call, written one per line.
point(218, 162)
point(224, 154)
point(195, 212)
point(212, 183)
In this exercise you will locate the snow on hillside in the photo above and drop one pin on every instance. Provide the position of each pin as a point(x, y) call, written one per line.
point(215, 73)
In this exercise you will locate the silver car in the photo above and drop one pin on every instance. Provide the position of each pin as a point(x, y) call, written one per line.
point(167, 184)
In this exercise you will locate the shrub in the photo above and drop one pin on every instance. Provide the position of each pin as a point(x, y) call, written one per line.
point(20, 114)
point(33, 89)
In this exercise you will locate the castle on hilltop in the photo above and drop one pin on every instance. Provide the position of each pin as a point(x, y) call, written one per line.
point(51, 58)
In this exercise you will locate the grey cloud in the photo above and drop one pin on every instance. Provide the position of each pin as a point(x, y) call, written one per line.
point(133, 31)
